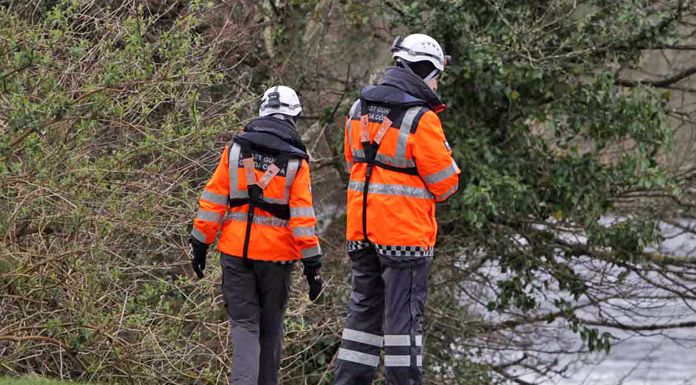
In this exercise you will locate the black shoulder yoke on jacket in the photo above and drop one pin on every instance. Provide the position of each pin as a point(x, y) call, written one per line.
point(274, 136)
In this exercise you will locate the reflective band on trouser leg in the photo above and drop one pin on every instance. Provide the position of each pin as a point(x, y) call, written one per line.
point(405, 298)
point(358, 357)
point(397, 340)
point(362, 337)
point(397, 360)
point(399, 348)
point(362, 340)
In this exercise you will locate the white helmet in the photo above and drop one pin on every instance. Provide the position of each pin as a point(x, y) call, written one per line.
point(419, 47)
point(280, 100)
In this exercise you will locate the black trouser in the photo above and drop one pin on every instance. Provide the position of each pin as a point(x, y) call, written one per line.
point(385, 310)
point(256, 297)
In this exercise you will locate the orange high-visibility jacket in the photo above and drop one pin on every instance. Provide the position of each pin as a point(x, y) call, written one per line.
point(413, 168)
point(271, 238)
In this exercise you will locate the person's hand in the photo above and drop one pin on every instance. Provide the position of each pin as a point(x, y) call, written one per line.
point(316, 284)
point(198, 255)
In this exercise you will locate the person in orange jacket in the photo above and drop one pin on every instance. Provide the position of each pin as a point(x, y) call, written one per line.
point(260, 199)
point(400, 165)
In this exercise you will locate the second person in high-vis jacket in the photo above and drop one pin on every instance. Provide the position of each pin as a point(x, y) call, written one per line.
point(400, 165)
point(259, 198)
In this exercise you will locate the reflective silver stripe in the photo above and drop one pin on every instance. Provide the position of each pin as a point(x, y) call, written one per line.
point(235, 192)
point(419, 360)
point(358, 153)
point(293, 166)
point(303, 231)
point(349, 134)
point(311, 252)
point(353, 114)
point(214, 198)
point(397, 340)
point(258, 219)
point(397, 360)
point(419, 340)
point(363, 338)
point(302, 212)
point(447, 193)
point(395, 161)
point(442, 174)
point(358, 357)
point(355, 110)
point(198, 234)
point(391, 189)
point(405, 131)
point(390, 160)
point(275, 200)
point(211, 216)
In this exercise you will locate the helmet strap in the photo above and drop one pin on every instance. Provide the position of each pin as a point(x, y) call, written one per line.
point(435, 73)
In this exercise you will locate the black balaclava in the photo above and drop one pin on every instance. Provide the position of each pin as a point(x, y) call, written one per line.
point(420, 68)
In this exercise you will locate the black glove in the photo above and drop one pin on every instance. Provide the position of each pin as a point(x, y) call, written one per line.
point(198, 252)
point(316, 284)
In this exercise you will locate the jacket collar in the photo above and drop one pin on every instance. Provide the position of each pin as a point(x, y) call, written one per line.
point(278, 135)
point(414, 86)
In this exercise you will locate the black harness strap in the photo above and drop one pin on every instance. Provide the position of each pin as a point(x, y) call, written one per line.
point(370, 149)
point(403, 170)
point(255, 189)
